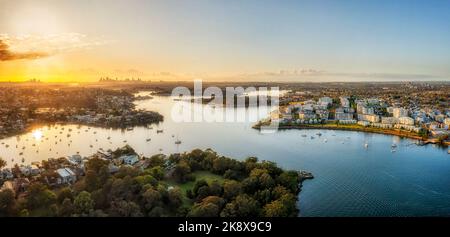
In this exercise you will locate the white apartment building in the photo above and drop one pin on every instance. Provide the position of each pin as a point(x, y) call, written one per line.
point(406, 120)
point(400, 112)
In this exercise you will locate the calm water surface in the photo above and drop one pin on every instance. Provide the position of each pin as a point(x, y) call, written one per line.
point(350, 180)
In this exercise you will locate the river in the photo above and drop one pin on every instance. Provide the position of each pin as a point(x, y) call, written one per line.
point(350, 178)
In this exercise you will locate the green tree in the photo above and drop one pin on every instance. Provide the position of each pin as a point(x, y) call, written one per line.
point(123, 208)
point(242, 206)
point(204, 210)
point(275, 209)
point(66, 209)
point(39, 197)
point(175, 198)
point(231, 189)
point(91, 181)
point(7, 203)
point(157, 172)
point(64, 193)
point(181, 171)
point(215, 188)
point(146, 179)
point(290, 180)
point(152, 198)
point(156, 212)
point(83, 203)
point(157, 160)
point(197, 185)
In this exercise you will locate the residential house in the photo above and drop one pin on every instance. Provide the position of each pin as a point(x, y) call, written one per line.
point(66, 176)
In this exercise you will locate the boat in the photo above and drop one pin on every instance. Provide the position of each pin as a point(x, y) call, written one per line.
point(448, 151)
point(394, 145)
point(23, 160)
point(312, 137)
point(303, 135)
point(148, 139)
point(159, 131)
point(366, 145)
point(325, 140)
point(130, 129)
point(21, 153)
point(393, 150)
point(319, 134)
point(178, 141)
point(108, 138)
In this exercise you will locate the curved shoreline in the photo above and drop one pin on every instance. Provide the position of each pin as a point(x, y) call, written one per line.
point(397, 132)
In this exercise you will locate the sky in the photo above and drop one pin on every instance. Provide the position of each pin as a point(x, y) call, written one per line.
point(316, 40)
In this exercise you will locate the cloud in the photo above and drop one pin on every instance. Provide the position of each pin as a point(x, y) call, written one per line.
point(320, 75)
point(6, 54)
point(37, 46)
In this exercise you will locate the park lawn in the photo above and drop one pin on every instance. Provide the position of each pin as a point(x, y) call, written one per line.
point(205, 175)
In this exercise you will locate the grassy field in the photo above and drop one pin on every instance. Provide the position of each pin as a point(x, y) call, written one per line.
point(205, 175)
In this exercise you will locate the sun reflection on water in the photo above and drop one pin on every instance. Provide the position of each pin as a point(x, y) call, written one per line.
point(37, 134)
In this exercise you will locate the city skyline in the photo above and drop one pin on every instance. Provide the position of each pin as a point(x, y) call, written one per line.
point(309, 41)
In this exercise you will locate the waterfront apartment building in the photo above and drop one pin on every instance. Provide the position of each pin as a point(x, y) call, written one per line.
point(373, 118)
point(400, 112)
point(388, 120)
point(306, 115)
point(325, 101)
point(406, 120)
point(342, 114)
point(362, 108)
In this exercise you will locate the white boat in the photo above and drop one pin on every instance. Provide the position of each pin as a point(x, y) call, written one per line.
point(366, 145)
point(325, 140)
point(178, 141)
point(394, 145)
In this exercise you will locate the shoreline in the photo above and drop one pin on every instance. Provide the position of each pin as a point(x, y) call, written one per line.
point(399, 133)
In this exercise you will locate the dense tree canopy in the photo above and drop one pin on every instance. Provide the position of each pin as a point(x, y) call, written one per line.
point(246, 188)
